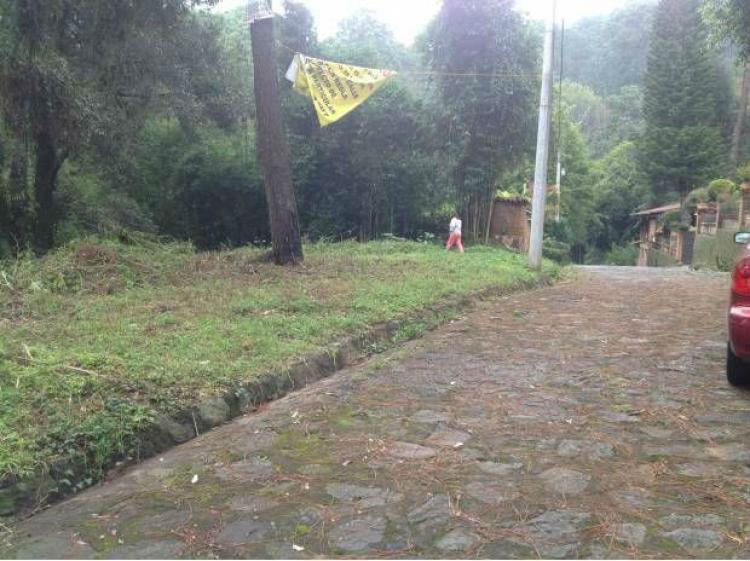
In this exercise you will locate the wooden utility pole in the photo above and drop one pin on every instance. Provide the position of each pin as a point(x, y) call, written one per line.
point(542, 147)
point(273, 147)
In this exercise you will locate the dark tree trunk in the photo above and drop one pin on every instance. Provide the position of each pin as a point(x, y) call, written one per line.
point(19, 212)
point(48, 164)
point(273, 147)
point(741, 116)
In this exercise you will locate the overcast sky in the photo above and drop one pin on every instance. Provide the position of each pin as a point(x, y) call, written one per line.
point(407, 18)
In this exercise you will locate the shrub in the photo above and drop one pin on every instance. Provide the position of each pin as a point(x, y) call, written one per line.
point(720, 189)
point(700, 195)
point(743, 173)
point(98, 265)
point(556, 250)
point(715, 252)
point(623, 255)
point(675, 220)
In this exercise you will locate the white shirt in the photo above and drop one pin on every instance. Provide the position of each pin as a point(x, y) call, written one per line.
point(455, 226)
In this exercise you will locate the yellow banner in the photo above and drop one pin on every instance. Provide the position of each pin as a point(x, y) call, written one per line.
point(336, 89)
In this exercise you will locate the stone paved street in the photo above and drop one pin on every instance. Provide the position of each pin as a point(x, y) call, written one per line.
point(590, 419)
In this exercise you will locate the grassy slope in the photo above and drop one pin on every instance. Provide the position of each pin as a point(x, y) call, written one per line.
point(98, 336)
point(715, 252)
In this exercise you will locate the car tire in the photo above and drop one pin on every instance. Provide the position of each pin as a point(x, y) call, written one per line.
point(738, 371)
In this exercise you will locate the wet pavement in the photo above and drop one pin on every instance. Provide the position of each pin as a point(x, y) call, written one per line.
point(589, 419)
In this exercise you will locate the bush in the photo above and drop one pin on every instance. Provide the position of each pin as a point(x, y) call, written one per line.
point(715, 252)
point(97, 265)
point(557, 251)
point(674, 221)
point(658, 258)
point(92, 207)
point(700, 195)
point(624, 255)
point(721, 189)
point(743, 173)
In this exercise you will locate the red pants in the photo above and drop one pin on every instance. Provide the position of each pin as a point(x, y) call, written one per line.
point(454, 239)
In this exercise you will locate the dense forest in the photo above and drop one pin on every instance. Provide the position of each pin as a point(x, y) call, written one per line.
point(139, 117)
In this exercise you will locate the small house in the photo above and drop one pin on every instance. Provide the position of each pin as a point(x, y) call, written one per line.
point(655, 237)
point(510, 222)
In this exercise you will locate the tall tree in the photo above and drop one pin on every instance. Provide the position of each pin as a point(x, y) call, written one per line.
point(273, 147)
point(73, 71)
point(682, 145)
point(730, 19)
point(370, 174)
point(486, 61)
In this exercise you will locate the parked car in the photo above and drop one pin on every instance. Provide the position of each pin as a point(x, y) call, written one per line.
point(738, 347)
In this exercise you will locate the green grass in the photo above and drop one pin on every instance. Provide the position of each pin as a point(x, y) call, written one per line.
point(715, 252)
point(100, 336)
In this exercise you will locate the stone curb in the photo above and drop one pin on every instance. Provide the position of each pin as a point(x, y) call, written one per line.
point(27, 496)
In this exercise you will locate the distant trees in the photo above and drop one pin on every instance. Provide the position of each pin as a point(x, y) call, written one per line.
point(620, 187)
point(609, 52)
point(682, 144)
point(605, 121)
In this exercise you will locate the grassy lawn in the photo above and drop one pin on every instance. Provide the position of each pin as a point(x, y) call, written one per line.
point(99, 336)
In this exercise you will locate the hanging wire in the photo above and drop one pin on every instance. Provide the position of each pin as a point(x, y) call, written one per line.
point(437, 73)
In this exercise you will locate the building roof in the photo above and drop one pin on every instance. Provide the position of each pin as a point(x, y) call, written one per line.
point(658, 209)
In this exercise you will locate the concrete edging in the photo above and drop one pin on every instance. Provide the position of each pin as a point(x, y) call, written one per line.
point(24, 497)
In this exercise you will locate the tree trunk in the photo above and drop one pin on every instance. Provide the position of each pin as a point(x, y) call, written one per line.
point(273, 147)
point(19, 208)
point(739, 123)
point(48, 164)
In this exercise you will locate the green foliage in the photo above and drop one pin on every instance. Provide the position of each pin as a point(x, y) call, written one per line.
point(620, 188)
point(715, 252)
point(720, 189)
point(607, 121)
point(729, 20)
point(609, 52)
point(96, 265)
point(680, 102)
point(69, 85)
point(487, 117)
point(625, 110)
point(90, 205)
point(657, 258)
point(589, 111)
point(621, 255)
point(743, 173)
point(209, 185)
point(674, 220)
point(556, 250)
point(699, 195)
point(577, 193)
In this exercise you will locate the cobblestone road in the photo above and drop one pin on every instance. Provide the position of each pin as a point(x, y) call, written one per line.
point(590, 419)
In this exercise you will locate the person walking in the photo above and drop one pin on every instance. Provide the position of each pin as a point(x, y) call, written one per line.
point(454, 234)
